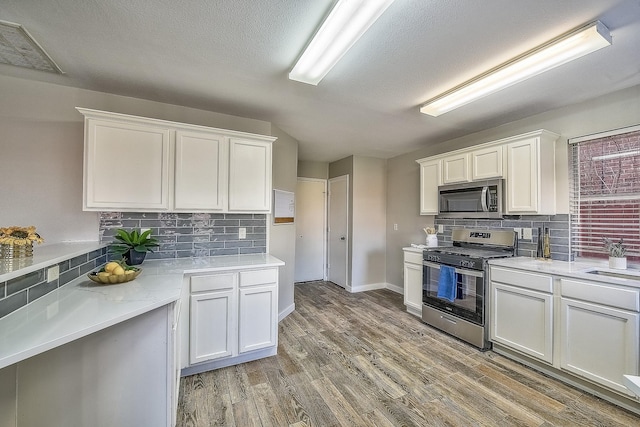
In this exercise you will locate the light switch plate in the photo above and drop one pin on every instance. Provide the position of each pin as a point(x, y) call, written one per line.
point(242, 233)
point(53, 273)
point(527, 234)
point(440, 228)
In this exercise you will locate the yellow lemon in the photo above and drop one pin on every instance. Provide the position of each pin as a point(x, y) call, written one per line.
point(111, 266)
point(118, 271)
point(129, 272)
point(103, 274)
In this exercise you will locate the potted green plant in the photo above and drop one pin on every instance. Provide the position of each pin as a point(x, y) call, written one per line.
point(133, 245)
point(617, 251)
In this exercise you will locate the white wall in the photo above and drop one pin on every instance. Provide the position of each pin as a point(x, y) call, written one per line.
point(368, 222)
point(282, 237)
point(41, 148)
point(613, 111)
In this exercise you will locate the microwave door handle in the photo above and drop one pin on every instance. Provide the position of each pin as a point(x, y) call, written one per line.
point(485, 191)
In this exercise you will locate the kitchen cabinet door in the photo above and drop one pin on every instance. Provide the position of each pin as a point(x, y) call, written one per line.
point(126, 166)
point(599, 343)
point(522, 319)
point(430, 179)
point(531, 175)
point(455, 169)
point(486, 163)
point(200, 171)
point(413, 282)
point(212, 331)
point(258, 318)
point(249, 175)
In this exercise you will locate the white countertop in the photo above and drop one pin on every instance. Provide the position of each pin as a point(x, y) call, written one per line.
point(574, 269)
point(83, 307)
point(44, 256)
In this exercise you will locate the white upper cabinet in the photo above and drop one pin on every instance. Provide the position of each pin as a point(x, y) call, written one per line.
point(526, 162)
point(139, 164)
point(126, 165)
point(455, 168)
point(531, 179)
point(201, 171)
point(486, 163)
point(249, 175)
point(430, 179)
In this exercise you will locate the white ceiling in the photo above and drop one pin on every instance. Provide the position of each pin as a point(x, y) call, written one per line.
point(233, 56)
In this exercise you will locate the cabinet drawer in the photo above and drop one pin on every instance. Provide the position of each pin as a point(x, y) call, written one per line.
point(413, 257)
point(536, 282)
point(627, 299)
point(258, 277)
point(212, 282)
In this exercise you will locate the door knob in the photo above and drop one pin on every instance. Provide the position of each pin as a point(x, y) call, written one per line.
point(343, 238)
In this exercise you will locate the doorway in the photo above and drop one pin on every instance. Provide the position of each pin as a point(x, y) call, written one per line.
point(311, 223)
point(338, 235)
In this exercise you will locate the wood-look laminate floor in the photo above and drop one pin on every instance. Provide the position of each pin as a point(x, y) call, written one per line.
point(361, 360)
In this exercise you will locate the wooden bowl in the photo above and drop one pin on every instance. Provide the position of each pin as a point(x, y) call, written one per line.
point(113, 278)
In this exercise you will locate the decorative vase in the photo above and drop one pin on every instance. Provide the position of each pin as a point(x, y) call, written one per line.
point(16, 251)
point(134, 257)
point(618, 263)
point(432, 240)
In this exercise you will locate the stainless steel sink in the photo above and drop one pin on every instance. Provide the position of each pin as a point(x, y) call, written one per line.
point(617, 274)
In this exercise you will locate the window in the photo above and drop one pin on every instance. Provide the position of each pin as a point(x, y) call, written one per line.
point(605, 192)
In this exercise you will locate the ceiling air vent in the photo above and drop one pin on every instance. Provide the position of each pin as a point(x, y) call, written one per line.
point(18, 48)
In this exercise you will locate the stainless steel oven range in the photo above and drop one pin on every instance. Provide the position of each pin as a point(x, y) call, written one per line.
point(454, 290)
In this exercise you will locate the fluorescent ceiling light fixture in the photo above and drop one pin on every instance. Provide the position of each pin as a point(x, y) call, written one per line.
point(558, 51)
point(347, 22)
point(18, 48)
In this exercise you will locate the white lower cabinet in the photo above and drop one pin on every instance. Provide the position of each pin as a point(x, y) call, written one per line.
point(599, 342)
point(233, 318)
point(212, 331)
point(586, 332)
point(413, 282)
point(523, 319)
point(258, 318)
point(522, 312)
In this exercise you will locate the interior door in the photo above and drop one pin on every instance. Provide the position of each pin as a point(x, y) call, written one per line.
point(311, 220)
point(338, 237)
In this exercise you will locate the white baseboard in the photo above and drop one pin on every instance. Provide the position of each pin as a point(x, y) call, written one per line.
point(368, 287)
point(395, 288)
point(287, 311)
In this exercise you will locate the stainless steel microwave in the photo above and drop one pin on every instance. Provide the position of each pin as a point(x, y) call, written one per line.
point(482, 199)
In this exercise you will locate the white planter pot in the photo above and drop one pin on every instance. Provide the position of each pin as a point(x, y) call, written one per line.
point(618, 263)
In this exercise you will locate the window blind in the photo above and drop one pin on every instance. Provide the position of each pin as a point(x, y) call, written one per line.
point(605, 192)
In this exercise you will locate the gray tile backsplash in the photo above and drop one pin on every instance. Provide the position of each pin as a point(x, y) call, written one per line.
point(192, 234)
point(558, 230)
point(18, 292)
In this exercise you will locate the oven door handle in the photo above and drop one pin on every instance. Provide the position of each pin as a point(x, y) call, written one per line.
point(462, 271)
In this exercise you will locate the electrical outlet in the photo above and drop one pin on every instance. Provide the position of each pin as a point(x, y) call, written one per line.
point(527, 234)
point(53, 273)
point(142, 230)
point(242, 233)
point(440, 228)
point(395, 227)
